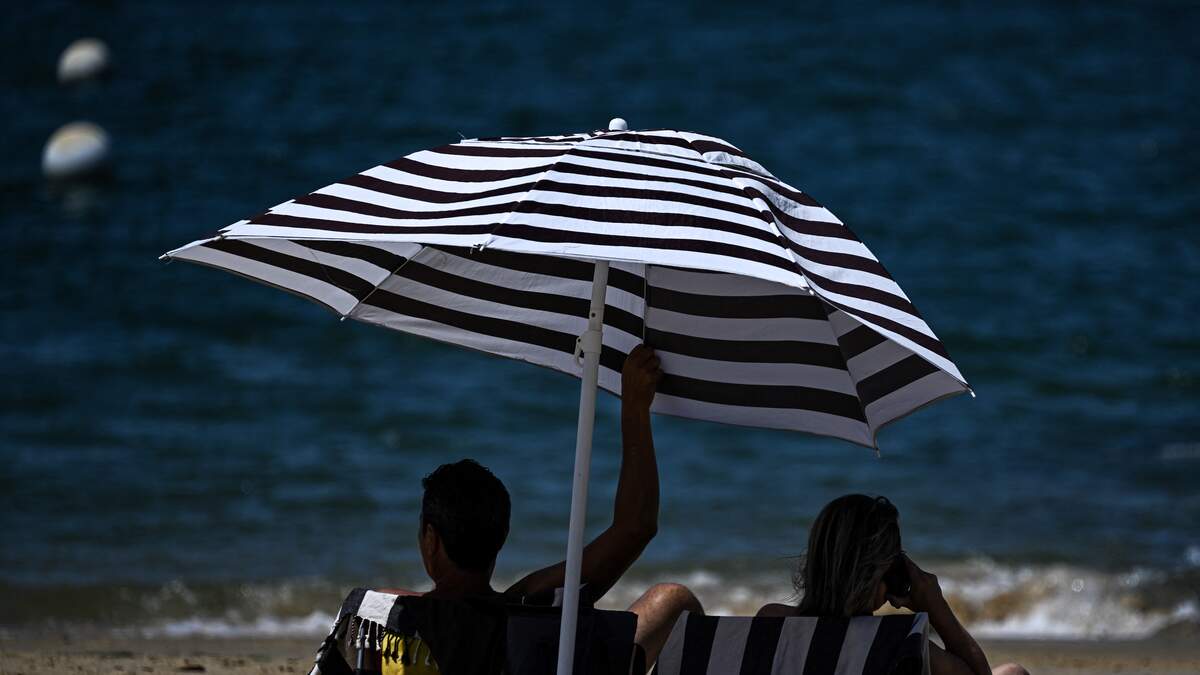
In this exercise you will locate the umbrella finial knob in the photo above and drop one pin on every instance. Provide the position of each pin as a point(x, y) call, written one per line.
point(618, 124)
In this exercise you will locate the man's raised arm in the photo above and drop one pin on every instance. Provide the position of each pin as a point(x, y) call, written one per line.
point(635, 512)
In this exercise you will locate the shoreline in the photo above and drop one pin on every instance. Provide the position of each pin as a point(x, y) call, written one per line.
point(259, 656)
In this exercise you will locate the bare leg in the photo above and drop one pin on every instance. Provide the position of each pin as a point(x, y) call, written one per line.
point(657, 611)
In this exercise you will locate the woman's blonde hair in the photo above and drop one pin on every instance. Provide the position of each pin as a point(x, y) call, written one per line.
point(852, 543)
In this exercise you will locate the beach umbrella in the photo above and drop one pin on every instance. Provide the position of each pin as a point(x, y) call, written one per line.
point(568, 251)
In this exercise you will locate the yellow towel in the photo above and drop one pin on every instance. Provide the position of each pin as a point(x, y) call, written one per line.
point(406, 655)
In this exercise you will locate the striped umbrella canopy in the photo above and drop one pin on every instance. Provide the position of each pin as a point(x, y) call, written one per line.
point(764, 309)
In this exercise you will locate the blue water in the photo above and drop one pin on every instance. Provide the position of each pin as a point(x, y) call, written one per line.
point(1028, 174)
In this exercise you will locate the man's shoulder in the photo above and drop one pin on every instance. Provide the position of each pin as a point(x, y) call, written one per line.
point(776, 609)
point(400, 591)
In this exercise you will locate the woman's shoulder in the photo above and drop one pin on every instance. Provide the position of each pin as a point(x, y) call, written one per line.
point(776, 609)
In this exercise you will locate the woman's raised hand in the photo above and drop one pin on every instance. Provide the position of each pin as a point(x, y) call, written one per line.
point(925, 593)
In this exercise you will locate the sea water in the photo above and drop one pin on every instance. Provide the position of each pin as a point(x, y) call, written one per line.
point(186, 452)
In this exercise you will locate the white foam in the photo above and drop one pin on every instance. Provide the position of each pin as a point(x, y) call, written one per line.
point(316, 624)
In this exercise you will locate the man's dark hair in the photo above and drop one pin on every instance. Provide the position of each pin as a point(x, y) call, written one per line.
point(469, 508)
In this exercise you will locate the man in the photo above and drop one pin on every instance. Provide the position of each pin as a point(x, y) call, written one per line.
point(465, 516)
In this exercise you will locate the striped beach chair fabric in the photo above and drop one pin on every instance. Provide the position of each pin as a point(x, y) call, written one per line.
point(386, 634)
point(869, 645)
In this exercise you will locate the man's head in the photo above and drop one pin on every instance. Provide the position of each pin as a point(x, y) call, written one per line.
point(464, 517)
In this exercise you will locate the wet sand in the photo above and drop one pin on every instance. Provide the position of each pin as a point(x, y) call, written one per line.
point(263, 656)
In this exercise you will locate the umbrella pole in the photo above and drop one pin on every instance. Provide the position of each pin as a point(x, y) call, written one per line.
point(590, 344)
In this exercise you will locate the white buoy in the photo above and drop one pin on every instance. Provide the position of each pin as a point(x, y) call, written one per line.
point(83, 59)
point(618, 124)
point(75, 150)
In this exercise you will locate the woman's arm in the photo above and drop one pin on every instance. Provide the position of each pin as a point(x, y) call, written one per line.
point(962, 654)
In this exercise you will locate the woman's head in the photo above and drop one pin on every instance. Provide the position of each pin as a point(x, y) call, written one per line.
point(852, 543)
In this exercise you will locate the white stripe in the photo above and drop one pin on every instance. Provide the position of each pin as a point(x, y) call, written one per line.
point(771, 418)
point(787, 204)
point(336, 215)
point(387, 173)
point(479, 163)
point(254, 231)
point(878, 309)
point(847, 275)
point(650, 256)
point(368, 272)
point(644, 231)
point(479, 270)
point(652, 206)
point(791, 652)
point(775, 374)
point(911, 396)
point(722, 285)
point(390, 201)
point(376, 606)
point(474, 143)
point(875, 359)
point(729, 645)
point(335, 298)
point(721, 328)
point(860, 634)
point(651, 172)
point(670, 658)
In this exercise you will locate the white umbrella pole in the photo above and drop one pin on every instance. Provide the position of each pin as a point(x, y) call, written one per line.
point(590, 344)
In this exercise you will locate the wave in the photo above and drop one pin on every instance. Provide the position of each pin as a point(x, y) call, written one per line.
point(994, 600)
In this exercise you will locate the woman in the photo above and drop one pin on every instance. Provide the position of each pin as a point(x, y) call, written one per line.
point(853, 545)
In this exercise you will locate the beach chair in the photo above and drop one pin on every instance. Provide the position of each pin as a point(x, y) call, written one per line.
point(381, 633)
point(868, 645)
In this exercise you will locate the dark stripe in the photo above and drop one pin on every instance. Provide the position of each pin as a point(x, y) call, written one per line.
point(395, 614)
point(763, 396)
point(463, 175)
point(499, 328)
point(776, 185)
point(761, 644)
point(859, 340)
point(842, 260)
point(612, 192)
point(698, 637)
point(633, 137)
point(428, 195)
point(566, 166)
point(505, 295)
point(548, 235)
point(796, 306)
point(564, 268)
point(472, 150)
point(825, 647)
point(352, 602)
point(698, 146)
point(379, 211)
point(863, 292)
point(536, 139)
point(371, 209)
point(932, 344)
point(374, 255)
point(352, 284)
point(279, 220)
point(697, 166)
point(886, 646)
point(899, 374)
point(704, 146)
point(653, 218)
point(816, 228)
point(746, 351)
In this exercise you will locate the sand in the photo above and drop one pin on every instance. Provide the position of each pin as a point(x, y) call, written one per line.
point(263, 656)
